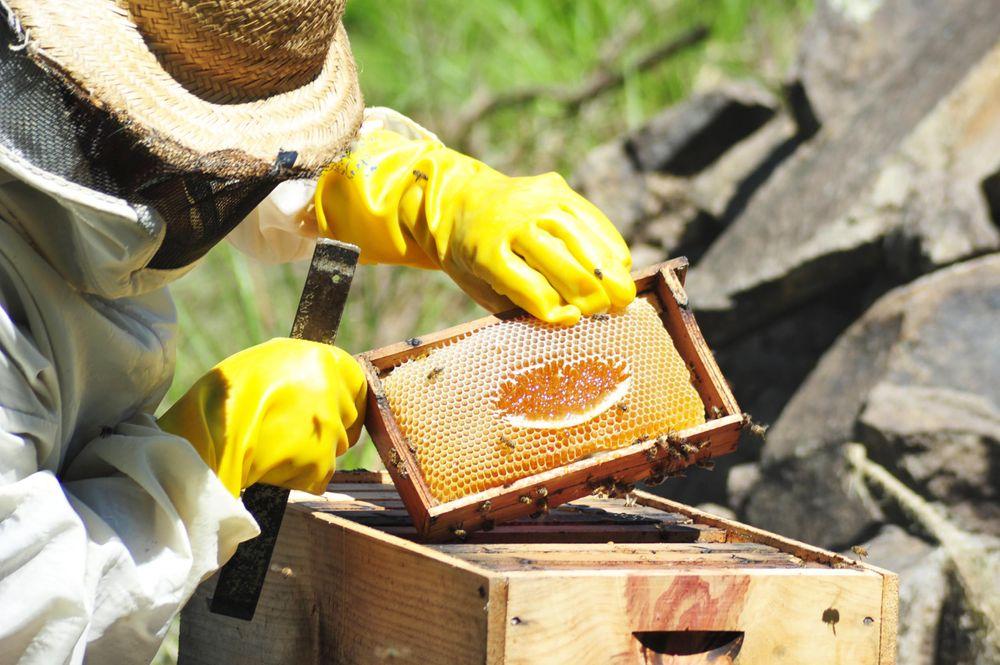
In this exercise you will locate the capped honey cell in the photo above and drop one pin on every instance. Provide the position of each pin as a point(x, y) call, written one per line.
point(522, 396)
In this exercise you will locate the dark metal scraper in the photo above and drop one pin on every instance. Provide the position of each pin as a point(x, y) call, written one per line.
point(317, 319)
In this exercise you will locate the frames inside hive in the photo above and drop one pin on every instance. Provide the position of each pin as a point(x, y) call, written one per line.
point(521, 397)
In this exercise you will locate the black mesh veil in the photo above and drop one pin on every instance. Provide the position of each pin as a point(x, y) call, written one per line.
point(46, 123)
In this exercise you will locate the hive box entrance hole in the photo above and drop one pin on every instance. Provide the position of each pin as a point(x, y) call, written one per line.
point(678, 647)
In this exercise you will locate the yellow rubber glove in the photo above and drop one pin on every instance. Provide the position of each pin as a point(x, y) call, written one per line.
point(278, 413)
point(531, 241)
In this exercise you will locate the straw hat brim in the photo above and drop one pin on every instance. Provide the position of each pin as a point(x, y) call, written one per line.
point(99, 52)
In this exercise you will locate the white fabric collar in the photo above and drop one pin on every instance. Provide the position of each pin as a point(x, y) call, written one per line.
point(99, 243)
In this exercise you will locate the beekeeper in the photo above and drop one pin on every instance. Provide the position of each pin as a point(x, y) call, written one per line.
point(134, 135)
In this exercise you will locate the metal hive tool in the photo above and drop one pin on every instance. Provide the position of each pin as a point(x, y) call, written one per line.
point(317, 319)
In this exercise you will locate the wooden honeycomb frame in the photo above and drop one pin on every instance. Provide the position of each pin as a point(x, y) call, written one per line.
point(663, 286)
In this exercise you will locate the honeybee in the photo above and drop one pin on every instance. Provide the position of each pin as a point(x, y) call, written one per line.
point(755, 428)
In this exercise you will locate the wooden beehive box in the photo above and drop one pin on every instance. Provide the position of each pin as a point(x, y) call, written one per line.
point(597, 581)
point(663, 286)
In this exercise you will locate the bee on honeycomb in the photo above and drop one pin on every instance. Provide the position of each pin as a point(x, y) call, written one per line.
point(521, 396)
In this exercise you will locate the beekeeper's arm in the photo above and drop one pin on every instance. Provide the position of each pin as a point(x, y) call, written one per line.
point(104, 536)
point(408, 200)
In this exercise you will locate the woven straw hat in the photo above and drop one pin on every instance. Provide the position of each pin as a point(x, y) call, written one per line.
point(219, 86)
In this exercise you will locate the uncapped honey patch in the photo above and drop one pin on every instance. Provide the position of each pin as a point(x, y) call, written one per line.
point(522, 396)
point(558, 393)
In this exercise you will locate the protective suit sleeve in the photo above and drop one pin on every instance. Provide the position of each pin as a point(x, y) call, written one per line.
point(101, 541)
point(102, 561)
point(280, 229)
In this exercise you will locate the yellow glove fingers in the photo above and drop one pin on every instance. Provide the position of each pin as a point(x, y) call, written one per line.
point(549, 256)
point(353, 411)
point(340, 427)
point(293, 450)
point(589, 214)
point(417, 203)
point(279, 413)
point(597, 254)
point(510, 276)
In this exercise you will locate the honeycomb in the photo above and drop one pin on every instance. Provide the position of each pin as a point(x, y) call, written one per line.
point(521, 396)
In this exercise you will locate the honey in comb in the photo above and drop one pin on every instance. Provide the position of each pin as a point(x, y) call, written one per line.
point(521, 396)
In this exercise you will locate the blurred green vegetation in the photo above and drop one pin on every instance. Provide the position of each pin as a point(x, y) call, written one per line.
point(427, 58)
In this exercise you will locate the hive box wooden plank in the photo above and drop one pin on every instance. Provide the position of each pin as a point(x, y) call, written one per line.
point(342, 590)
point(662, 286)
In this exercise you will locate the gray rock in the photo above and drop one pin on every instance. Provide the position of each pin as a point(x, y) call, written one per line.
point(642, 182)
point(646, 255)
point(892, 185)
point(945, 442)
point(650, 209)
point(848, 44)
point(765, 367)
point(962, 639)
point(916, 379)
point(686, 138)
point(923, 589)
point(740, 482)
point(814, 498)
point(609, 178)
point(721, 190)
point(764, 370)
point(679, 228)
point(991, 190)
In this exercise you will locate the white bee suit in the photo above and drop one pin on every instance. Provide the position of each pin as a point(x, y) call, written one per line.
point(107, 523)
